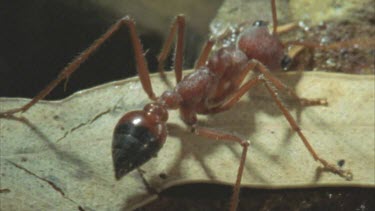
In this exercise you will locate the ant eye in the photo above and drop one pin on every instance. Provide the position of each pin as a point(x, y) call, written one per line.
point(285, 62)
point(259, 23)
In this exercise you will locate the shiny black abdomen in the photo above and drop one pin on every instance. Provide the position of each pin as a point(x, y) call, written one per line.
point(132, 145)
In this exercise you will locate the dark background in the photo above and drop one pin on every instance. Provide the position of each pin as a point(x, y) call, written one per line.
point(39, 38)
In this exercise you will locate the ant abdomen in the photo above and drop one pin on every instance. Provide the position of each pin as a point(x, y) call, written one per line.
point(136, 139)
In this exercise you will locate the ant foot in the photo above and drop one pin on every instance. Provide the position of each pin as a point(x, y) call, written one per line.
point(347, 174)
point(10, 112)
point(313, 102)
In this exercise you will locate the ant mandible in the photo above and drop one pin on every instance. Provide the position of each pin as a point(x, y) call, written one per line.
point(217, 84)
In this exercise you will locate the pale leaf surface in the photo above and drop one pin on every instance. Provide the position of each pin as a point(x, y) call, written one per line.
point(59, 157)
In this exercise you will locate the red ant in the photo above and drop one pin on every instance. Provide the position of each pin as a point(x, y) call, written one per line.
point(217, 84)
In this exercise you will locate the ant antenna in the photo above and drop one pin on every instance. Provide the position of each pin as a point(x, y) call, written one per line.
point(274, 17)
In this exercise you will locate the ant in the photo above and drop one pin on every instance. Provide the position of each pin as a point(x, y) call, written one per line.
point(217, 84)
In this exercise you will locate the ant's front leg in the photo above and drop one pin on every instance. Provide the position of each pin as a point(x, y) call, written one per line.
point(206, 50)
point(272, 87)
point(267, 78)
point(73, 66)
point(327, 166)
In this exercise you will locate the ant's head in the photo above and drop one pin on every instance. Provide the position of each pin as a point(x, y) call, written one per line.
point(258, 43)
point(138, 136)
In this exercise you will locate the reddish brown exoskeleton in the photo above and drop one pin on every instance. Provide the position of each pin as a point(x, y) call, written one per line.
point(218, 83)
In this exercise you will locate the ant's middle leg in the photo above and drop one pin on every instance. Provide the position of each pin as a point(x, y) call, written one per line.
point(269, 85)
point(236, 96)
point(218, 135)
point(269, 82)
point(73, 66)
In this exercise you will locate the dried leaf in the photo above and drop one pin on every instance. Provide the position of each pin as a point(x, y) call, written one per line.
point(57, 155)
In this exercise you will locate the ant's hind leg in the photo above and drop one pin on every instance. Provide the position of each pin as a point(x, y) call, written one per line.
point(218, 135)
point(73, 66)
point(179, 26)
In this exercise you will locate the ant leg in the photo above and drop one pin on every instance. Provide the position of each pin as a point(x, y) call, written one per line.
point(330, 167)
point(206, 50)
point(366, 43)
point(236, 96)
point(286, 28)
point(255, 81)
point(281, 86)
point(272, 85)
point(73, 66)
point(266, 80)
point(274, 17)
point(217, 135)
point(204, 53)
point(179, 25)
point(297, 46)
point(276, 28)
